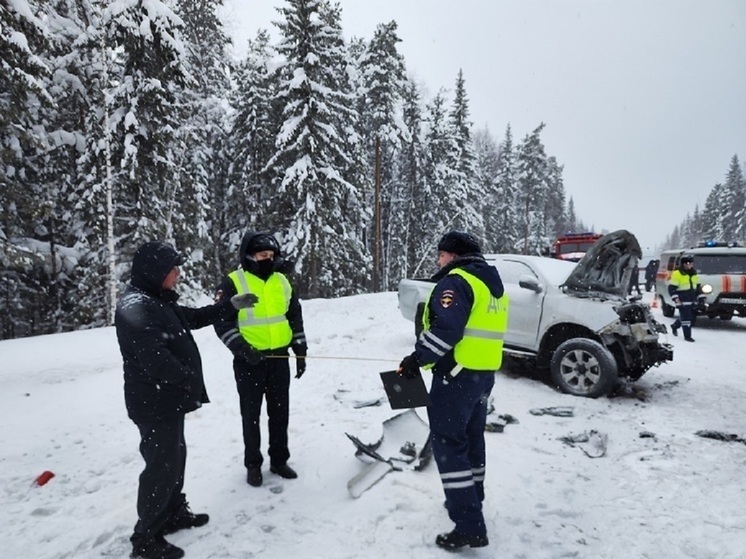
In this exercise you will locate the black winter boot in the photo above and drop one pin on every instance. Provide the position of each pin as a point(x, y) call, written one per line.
point(254, 476)
point(284, 471)
point(455, 540)
point(154, 548)
point(184, 518)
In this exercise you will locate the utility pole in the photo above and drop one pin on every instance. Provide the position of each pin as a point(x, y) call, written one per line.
point(377, 219)
point(108, 186)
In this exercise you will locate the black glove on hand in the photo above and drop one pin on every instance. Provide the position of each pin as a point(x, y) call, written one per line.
point(244, 300)
point(300, 366)
point(300, 351)
point(409, 366)
point(252, 355)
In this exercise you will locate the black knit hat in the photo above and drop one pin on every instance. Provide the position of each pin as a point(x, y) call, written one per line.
point(459, 242)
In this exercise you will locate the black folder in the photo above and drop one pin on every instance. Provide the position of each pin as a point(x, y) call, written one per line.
point(405, 392)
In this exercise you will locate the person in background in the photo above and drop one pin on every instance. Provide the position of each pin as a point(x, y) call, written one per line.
point(259, 339)
point(634, 282)
point(684, 288)
point(651, 270)
point(162, 382)
point(464, 322)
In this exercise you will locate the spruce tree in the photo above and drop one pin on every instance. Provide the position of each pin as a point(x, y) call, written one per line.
point(311, 157)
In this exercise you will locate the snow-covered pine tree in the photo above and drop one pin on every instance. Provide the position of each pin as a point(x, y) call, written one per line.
point(465, 187)
point(416, 203)
point(733, 203)
point(440, 147)
point(712, 226)
point(532, 181)
point(75, 230)
point(23, 73)
point(146, 115)
point(200, 163)
point(384, 77)
point(487, 159)
point(310, 180)
point(555, 212)
point(501, 215)
point(249, 196)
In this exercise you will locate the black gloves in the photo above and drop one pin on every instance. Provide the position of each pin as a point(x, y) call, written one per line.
point(244, 300)
point(300, 351)
point(409, 366)
point(252, 355)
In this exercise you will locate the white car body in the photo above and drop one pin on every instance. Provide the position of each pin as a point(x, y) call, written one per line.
point(553, 302)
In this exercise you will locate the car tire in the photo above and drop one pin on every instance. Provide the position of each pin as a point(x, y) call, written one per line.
point(418, 319)
point(583, 367)
point(667, 310)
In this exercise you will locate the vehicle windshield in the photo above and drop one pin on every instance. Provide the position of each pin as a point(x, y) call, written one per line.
point(566, 248)
point(720, 264)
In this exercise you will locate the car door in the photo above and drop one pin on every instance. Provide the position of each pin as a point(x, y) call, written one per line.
point(524, 313)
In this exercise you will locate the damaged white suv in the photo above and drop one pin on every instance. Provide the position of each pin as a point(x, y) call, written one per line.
point(573, 319)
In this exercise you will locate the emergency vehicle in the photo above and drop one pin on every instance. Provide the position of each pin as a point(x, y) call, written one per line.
point(721, 268)
point(573, 246)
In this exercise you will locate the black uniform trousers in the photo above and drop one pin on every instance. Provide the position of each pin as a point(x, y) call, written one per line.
point(163, 448)
point(457, 419)
point(268, 379)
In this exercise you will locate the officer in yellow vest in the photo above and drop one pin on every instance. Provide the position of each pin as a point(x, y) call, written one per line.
point(259, 340)
point(684, 287)
point(464, 323)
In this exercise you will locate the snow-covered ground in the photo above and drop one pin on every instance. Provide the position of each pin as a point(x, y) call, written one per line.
point(660, 491)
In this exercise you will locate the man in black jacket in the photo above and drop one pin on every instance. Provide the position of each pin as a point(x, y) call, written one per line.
point(162, 382)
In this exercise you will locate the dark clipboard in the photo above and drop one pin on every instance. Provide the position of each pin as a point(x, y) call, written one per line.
point(405, 392)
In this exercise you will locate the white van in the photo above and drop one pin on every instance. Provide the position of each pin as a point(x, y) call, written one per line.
point(721, 269)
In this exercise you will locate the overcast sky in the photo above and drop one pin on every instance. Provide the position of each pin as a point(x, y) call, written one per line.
point(644, 100)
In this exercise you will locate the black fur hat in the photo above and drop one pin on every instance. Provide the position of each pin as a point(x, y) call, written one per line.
point(459, 242)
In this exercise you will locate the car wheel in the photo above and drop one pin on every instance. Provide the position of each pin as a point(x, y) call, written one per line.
point(666, 309)
point(583, 367)
point(418, 319)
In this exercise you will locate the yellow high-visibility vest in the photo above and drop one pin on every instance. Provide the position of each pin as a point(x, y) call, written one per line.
point(481, 347)
point(264, 325)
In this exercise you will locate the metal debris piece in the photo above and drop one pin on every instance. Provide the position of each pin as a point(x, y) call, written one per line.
point(592, 443)
point(558, 411)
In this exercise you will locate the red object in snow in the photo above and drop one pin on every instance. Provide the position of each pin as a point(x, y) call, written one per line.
point(44, 477)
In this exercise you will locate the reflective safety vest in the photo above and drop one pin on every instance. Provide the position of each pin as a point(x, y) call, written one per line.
point(481, 347)
point(264, 325)
point(685, 286)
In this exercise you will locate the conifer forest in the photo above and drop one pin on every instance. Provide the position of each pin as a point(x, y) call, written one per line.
point(124, 121)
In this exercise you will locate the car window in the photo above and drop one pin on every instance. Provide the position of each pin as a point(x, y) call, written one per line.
point(716, 264)
point(511, 271)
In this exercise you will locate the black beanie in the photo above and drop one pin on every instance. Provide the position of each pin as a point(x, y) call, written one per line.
point(459, 242)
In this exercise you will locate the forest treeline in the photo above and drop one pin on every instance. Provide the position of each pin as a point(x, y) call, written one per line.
point(130, 121)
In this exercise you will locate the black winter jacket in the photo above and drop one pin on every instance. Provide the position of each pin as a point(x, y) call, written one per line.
point(162, 364)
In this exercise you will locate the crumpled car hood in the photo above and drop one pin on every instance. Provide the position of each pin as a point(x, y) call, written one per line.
point(606, 268)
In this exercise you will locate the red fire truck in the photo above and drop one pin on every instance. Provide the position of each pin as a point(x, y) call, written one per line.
point(573, 246)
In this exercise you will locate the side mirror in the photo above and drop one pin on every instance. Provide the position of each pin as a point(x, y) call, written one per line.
point(530, 283)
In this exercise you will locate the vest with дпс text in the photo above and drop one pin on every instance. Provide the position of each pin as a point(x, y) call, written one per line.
point(481, 347)
point(265, 325)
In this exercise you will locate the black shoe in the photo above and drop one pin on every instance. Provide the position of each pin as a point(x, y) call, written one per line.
point(254, 476)
point(154, 548)
point(284, 471)
point(689, 339)
point(674, 330)
point(456, 540)
point(184, 518)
